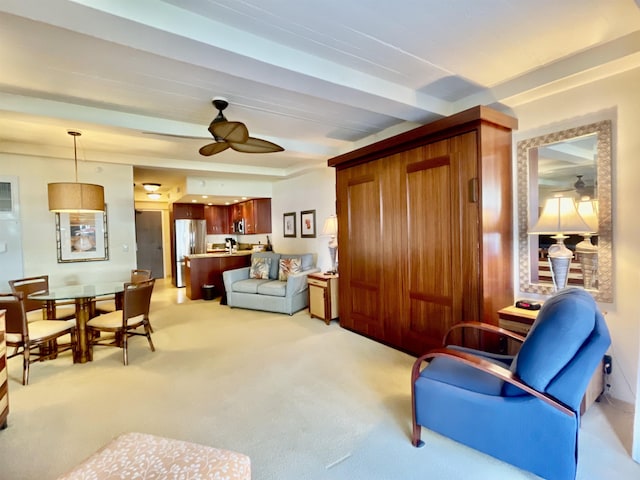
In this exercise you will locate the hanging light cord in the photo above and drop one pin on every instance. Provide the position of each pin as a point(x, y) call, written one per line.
point(75, 150)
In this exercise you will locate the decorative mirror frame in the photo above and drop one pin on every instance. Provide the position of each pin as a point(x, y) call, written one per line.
point(604, 293)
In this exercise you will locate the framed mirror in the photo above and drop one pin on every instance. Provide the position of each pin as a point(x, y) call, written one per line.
point(575, 163)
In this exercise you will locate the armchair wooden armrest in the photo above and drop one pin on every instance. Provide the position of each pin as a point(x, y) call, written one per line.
point(480, 364)
point(483, 326)
point(487, 367)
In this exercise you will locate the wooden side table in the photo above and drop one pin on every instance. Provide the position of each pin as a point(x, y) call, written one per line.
point(519, 320)
point(323, 296)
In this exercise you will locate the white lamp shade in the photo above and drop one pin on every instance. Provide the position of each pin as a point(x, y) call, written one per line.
point(330, 226)
point(560, 216)
point(588, 210)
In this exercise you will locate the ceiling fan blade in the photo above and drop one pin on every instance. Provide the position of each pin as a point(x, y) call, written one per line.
point(230, 131)
point(256, 145)
point(213, 148)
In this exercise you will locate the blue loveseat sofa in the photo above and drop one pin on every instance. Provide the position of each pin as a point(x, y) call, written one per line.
point(270, 294)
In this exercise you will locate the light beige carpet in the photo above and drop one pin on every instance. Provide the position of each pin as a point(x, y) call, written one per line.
point(304, 400)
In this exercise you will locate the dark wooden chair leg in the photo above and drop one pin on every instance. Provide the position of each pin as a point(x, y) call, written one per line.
point(415, 440)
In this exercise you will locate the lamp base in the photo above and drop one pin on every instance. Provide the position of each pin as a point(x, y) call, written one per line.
point(559, 271)
point(333, 251)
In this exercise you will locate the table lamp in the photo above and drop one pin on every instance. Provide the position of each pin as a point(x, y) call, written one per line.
point(587, 251)
point(331, 228)
point(559, 217)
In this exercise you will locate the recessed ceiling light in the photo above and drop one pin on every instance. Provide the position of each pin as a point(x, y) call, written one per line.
point(205, 196)
point(151, 187)
point(193, 201)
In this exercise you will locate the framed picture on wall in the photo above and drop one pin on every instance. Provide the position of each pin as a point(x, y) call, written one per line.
point(308, 224)
point(82, 236)
point(289, 224)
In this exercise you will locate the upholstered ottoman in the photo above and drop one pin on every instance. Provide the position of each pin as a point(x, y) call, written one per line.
point(142, 456)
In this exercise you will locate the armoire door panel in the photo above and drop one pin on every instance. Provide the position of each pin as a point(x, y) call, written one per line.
point(432, 223)
point(464, 151)
point(394, 252)
point(429, 321)
point(362, 273)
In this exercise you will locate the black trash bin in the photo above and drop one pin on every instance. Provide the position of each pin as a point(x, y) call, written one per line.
point(208, 292)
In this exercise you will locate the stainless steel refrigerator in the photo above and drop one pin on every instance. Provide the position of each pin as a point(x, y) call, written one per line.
point(191, 237)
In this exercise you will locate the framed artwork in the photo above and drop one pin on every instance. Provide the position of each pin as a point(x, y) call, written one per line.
point(289, 224)
point(308, 224)
point(82, 236)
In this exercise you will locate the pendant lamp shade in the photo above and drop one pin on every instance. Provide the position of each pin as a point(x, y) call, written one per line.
point(75, 197)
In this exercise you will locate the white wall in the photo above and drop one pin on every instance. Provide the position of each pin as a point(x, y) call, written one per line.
point(38, 223)
point(313, 191)
point(619, 96)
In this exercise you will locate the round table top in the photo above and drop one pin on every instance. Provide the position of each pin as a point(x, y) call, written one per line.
point(69, 292)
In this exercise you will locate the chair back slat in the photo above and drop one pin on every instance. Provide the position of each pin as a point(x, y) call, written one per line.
point(138, 275)
point(137, 298)
point(15, 316)
point(28, 286)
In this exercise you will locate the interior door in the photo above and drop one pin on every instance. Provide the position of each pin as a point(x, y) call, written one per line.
point(149, 252)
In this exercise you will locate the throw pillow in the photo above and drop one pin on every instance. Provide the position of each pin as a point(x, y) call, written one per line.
point(289, 266)
point(260, 268)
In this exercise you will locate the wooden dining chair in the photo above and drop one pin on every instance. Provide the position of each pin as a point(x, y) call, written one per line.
point(33, 340)
point(36, 309)
point(125, 323)
point(107, 304)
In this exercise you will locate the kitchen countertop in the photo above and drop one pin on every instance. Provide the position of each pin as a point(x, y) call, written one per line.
point(220, 254)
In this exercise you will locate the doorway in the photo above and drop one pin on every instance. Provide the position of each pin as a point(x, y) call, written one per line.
point(149, 251)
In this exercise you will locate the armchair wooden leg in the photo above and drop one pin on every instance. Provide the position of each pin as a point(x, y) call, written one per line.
point(415, 440)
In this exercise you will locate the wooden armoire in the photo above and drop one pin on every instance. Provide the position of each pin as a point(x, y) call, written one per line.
point(425, 229)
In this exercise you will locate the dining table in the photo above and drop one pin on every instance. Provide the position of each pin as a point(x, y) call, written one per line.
point(83, 296)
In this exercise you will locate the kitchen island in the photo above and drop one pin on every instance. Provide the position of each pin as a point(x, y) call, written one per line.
point(206, 269)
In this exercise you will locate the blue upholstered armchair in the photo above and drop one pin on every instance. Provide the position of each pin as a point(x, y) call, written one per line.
point(525, 410)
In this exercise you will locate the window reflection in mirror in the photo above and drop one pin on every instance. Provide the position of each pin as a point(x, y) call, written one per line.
point(573, 163)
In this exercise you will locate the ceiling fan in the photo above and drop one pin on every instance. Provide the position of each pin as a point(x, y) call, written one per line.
point(234, 135)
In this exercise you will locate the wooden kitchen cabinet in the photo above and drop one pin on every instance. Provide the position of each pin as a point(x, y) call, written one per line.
point(425, 222)
point(190, 211)
point(235, 212)
point(207, 270)
point(217, 217)
point(257, 215)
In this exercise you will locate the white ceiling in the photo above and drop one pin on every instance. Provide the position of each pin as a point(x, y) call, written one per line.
point(314, 77)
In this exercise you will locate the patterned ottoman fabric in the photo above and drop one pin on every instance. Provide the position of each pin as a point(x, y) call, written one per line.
point(145, 457)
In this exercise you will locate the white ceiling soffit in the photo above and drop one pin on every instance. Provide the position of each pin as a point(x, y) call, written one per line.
point(137, 77)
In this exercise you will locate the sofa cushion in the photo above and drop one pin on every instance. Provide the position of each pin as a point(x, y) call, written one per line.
point(274, 258)
point(274, 288)
point(306, 259)
point(260, 268)
point(248, 286)
point(288, 266)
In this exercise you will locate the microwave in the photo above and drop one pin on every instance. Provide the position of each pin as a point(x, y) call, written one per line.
point(238, 226)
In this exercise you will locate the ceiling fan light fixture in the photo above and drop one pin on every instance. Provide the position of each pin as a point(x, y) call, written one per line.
point(75, 197)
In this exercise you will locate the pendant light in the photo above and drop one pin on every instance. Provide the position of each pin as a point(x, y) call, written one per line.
point(75, 197)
